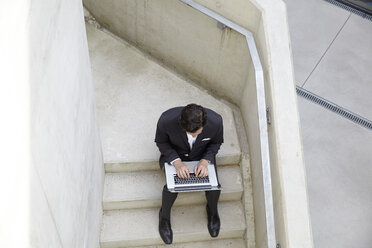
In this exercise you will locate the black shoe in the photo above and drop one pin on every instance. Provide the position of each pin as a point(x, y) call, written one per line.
point(165, 229)
point(213, 224)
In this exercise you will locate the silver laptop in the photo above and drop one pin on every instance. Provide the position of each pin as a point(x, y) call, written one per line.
point(193, 183)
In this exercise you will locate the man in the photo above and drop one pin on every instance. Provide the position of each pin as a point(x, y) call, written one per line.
point(190, 133)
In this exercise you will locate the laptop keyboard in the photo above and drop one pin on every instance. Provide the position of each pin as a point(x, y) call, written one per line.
point(191, 180)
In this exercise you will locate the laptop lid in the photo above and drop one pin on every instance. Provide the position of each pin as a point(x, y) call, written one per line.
point(176, 184)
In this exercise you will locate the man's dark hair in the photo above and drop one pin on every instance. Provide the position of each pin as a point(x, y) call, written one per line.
point(193, 117)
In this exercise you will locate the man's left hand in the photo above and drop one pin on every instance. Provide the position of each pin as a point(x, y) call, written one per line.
point(201, 169)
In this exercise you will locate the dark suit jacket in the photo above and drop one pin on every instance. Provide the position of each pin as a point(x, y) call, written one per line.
point(172, 140)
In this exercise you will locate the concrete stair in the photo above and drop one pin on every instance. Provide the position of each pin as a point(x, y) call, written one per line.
point(132, 91)
point(143, 189)
point(131, 211)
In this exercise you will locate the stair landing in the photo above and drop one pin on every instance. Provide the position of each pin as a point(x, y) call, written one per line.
point(131, 93)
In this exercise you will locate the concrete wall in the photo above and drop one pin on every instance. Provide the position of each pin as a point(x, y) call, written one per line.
point(292, 215)
point(64, 168)
point(190, 43)
point(249, 110)
point(181, 37)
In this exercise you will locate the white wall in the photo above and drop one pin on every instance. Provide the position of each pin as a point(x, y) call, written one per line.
point(53, 93)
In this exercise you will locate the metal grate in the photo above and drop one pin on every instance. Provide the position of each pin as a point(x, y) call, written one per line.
point(334, 108)
point(351, 9)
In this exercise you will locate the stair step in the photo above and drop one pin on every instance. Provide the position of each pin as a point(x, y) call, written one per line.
point(139, 227)
point(223, 243)
point(153, 164)
point(143, 189)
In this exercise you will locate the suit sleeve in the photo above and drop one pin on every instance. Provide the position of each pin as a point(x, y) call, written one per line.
point(215, 143)
point(163, 142)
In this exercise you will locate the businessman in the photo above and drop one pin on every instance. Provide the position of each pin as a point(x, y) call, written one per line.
point(190, 133)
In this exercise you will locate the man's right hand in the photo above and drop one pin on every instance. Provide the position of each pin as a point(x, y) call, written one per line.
point(183, 171)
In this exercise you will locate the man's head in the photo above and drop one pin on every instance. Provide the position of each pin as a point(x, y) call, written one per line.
point(193, 118)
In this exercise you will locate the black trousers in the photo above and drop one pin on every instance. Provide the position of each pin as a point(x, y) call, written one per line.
point(168, 198)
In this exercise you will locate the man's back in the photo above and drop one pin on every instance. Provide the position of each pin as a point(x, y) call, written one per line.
point(169, 134)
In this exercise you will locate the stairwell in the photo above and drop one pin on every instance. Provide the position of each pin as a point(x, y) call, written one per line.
point(132, 90)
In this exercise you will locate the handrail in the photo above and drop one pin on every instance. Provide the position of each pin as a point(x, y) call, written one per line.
point(261, 103)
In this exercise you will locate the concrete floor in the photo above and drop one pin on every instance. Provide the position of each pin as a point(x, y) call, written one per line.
point(332, 51)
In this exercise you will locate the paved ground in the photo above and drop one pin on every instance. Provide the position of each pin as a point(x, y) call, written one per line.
point(332, 53)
